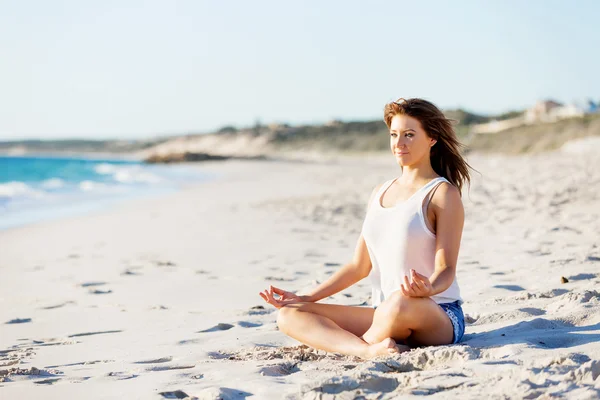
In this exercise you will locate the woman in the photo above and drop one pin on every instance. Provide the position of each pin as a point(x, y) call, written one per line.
point(409, 245)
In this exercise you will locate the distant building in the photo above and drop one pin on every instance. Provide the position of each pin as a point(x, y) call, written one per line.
point(333, 122)
point(568, 111)
point(540, 111)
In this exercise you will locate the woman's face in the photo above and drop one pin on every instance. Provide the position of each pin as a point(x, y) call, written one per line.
point(408, 141)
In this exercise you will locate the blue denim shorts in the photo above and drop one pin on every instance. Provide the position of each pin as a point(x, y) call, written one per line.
point(455, 313)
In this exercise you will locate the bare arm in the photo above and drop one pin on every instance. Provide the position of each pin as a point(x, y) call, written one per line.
point(450, 218)
point(358, 269)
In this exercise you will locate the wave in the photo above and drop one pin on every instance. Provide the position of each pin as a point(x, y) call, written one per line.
point(53, 183)
point(127, 174)
point(18, 189)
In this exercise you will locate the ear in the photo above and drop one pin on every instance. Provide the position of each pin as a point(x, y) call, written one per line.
point(433, 141)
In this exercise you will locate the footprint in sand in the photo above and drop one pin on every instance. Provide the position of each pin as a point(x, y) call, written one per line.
point(130, 272)
point(513, 288)
point(80, 363)
point(92, 284)
point(165, 264)
point(223, 393)
point(177, 394)
point(58, 305)
point(155, 361)
point(52, 342)
point(218, 327)
point(159, 368)
point(99, 291)
point(19, 321)
point(331, 264)
point(581, 277)
point(283, 369)
point(532, 311)
point(93, 333)
point(121, 376)
point(47, 381)
point(565, 228)
point(189, 341)
point(278, 279)
point(259, 310)
point(247, 324)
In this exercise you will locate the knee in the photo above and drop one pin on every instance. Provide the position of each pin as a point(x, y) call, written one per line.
point(285, 316)
point(397, 305)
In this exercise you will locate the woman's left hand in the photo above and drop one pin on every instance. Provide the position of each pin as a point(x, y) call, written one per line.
point(419, 287)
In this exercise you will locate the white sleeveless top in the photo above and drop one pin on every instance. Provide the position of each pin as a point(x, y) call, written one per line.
point(398, 239)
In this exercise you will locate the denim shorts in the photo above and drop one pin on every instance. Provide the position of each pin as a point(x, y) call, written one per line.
point(455, 313)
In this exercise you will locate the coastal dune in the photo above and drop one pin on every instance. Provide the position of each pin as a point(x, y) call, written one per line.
point(158, 298)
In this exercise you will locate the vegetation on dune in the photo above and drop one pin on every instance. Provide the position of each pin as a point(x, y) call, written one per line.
point(339, 136)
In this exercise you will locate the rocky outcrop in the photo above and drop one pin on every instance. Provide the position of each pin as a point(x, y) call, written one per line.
point(192, 157)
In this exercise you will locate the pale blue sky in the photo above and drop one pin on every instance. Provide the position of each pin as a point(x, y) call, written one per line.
point(132, 69)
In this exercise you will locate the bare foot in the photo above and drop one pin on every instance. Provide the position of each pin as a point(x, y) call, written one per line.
point(386, 347)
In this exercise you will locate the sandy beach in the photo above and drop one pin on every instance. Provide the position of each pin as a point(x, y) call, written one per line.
point(158, 298)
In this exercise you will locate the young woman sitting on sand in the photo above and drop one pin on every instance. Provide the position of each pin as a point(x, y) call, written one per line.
point(409, 245)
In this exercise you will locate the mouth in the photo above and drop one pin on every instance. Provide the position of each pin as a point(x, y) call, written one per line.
point(401, 154)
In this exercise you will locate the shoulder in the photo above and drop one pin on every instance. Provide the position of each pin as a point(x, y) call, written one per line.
point(447, 197)
point(374, 193)
point(377, 187)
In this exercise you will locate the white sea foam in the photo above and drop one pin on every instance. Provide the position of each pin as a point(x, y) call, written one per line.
point(105, 169)
point(87, 186)
point(53, 183)
point(17, 189)
point(127, 173)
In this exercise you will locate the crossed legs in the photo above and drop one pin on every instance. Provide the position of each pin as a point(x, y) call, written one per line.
point(363, 331)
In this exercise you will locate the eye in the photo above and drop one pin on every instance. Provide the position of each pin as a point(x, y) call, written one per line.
point(392, 134)
point(409, 135)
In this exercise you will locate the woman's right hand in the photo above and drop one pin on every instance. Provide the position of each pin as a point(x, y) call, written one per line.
point(285, 297)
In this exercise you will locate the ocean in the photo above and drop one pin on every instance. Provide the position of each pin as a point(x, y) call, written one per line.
point(40, 188)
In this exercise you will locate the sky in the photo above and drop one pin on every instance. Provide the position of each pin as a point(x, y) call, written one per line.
point(138, 69)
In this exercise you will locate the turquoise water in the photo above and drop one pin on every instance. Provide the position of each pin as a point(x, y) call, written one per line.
point(38, 188)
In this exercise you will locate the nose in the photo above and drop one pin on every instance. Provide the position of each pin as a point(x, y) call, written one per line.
point(399, 143)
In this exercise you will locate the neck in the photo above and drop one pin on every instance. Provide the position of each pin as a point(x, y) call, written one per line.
point(418, 173)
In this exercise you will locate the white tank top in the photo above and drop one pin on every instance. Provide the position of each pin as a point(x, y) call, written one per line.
point(398, 239)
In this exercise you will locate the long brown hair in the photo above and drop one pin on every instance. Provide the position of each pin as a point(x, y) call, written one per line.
point(446, 158)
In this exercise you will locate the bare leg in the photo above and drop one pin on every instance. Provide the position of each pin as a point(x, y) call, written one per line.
point(418, 320)
point(323, 333)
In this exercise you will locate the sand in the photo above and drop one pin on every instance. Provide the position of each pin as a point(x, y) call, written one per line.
point(158, 298)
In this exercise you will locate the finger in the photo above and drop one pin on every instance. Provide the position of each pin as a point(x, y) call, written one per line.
point(273, 301)
point(406, 282)
point(404, 292)
point(277, 290)
point(420, 276)
point(265, 296)
point(415, 275)
point(418, 290)
point(417, 283)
